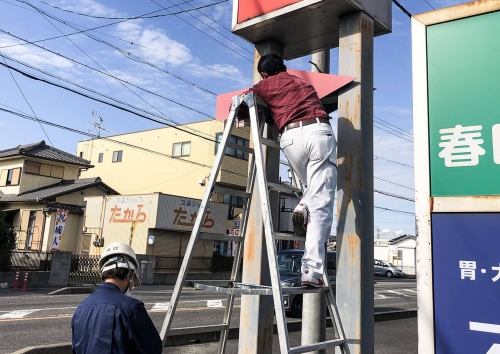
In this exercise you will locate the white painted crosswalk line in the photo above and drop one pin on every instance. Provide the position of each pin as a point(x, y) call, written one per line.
point(214, 303)
point(397, 293)
point(17, 314)
point(410, 290)
point(379, 296)
point(160, 306)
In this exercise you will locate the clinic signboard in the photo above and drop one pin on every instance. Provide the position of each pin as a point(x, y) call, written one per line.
point(457, 172)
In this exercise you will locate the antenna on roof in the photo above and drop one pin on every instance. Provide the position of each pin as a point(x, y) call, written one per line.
point(97, 125)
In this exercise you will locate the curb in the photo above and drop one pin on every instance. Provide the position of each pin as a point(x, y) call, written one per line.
point(185, 339)
point(73, 290)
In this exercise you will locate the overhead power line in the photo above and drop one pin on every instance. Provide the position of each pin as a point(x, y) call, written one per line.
point(394, 195)
point(396, 162)
point(105, 102)
point(136, 17)
point(396, 184)
point(405, 11)
point(394, 210)
point(41, 121)
point(394, 127)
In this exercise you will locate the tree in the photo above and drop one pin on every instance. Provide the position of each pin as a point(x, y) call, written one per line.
point(7, 243)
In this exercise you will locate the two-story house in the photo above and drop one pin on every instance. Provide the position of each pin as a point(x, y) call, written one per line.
point(35, 181)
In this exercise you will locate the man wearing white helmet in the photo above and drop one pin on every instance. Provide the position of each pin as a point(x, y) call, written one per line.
point(108, 321)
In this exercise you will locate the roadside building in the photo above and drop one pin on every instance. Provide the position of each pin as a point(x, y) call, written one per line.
point(35, 181)
point(172, 160)
point(400, 251)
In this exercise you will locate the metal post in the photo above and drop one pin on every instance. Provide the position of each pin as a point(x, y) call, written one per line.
point(256, 318)
point(314, 305)
point(355, 183)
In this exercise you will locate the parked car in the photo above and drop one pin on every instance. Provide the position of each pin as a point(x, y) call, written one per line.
point(289, 263)
point(386, 268)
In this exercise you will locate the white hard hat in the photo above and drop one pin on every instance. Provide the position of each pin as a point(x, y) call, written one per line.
point(120, 255)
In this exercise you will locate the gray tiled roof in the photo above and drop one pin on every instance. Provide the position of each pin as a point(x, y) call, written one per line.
point(45, 152)
point(399, 238)
point(49, 193)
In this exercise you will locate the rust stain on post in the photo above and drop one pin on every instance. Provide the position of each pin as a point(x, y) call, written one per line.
point(352, 244)
point(249, 252)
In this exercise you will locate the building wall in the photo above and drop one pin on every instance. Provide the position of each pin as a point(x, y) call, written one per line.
point(34, 181)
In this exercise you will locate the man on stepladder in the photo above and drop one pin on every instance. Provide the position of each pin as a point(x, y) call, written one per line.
point(310, 146)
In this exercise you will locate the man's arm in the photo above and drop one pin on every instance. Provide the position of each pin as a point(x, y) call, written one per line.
point(143, 332)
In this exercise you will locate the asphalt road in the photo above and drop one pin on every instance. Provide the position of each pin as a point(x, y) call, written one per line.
point(34, 318)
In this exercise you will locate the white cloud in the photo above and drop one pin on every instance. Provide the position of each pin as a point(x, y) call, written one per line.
point(88, 7)
point(32, 55)
point(161, 49)
point(396, 23)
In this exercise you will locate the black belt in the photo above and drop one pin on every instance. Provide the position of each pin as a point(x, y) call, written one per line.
point(305, 122)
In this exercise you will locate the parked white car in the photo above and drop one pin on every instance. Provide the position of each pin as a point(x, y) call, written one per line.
point(387, 269)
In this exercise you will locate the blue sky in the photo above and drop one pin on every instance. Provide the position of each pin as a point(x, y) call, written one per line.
point(183, 65)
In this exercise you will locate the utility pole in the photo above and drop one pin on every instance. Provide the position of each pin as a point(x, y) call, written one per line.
point(314, 305)
point(355, 183)
point(256, 319)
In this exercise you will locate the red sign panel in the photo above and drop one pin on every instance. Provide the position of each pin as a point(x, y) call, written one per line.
point(248, 9)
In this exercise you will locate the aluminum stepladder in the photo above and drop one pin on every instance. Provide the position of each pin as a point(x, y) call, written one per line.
point(231, 287)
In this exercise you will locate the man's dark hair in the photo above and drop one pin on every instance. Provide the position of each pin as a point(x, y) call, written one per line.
point(271, 64)
point(115, 273)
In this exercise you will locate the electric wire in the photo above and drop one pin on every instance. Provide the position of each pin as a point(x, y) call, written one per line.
point(394, 210)
point(137, 17)
point(55, 125)
point(213, 29)
point(393, 127)
point(396, 184)
point(105, 102)
point(392, 133)
point(395, 162)
point(394, 195)
point(206, 34)
point(104, 73)
point(405, 11)
point(127, 54)
point(428, 3)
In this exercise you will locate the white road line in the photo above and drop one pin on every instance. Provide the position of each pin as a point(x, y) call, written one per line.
point(160, 306)
point(16, 314)
point(484, 327)
point(379, 296)
point(397, 293)
point(214, 303)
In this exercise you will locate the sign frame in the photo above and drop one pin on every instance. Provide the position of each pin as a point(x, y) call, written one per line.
point(425, 203)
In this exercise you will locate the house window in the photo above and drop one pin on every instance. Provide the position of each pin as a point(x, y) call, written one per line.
point(117, 156)
point(13, 177)
point(81, 154)
point(234, 202)
point(181, 149)
point(101, 157)
point(233, 152)
point(32, 167)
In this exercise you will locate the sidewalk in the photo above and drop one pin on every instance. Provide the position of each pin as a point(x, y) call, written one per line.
point(391, 337)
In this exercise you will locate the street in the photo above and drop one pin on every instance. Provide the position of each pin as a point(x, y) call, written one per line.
point(34, 318)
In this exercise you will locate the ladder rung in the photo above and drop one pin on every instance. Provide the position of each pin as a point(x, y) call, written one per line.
point(249, 290)
point(196, 330)
point(289, 237)
point(234, 192)
point(280, 187)
point(317, 346)
point(219, 237)
point(239, 147)
point(270, 143)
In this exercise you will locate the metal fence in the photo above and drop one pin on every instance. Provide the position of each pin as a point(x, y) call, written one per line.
point(172, 264)
point(85, 270)
point(26, 260)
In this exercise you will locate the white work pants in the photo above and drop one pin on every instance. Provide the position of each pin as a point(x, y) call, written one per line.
point(312, 153)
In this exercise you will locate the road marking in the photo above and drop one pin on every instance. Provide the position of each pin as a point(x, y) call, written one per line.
point(379, 296)
point(16, 314)
point(397, 293)
point(410, 290)
point(214, 303)
point(484, 327)
point(160, 306)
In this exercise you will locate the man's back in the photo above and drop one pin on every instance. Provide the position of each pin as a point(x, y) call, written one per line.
point(110, 322)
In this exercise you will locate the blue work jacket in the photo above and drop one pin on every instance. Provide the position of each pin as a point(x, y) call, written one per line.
point(110, 322)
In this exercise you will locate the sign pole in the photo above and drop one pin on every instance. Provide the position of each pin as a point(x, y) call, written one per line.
point(256, 319)
point(314, 305)
point(355, 183)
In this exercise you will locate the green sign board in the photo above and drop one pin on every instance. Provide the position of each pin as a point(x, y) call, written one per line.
point(463, 59)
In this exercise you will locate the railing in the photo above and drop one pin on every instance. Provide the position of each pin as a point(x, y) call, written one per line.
point(85, 270)
point(29, 260)
point(172, 264)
